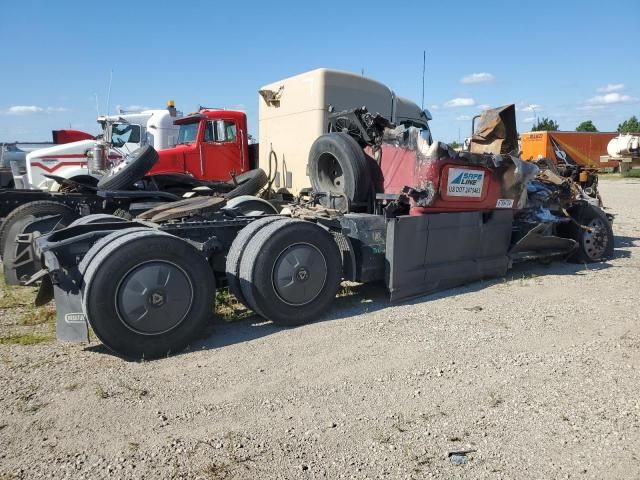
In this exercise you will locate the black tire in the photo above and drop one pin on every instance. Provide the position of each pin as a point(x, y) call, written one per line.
point(148, 294)
point(40, 208)
point(247, 204)
point(96, 218)
point(337, 164)
point(248, 183)
point(290, 272)
point(18, 260)
point(235, 254)
point(140, 162)
point(593, 246)
point(100, 244)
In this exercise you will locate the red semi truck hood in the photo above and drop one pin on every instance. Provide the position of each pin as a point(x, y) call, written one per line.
point(171, 160)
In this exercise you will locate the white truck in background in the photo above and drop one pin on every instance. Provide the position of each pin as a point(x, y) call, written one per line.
point(125, 131)
point(624, 149)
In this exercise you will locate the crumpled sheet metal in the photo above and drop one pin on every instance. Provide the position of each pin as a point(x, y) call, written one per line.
point(410, 166)
point(496, 131)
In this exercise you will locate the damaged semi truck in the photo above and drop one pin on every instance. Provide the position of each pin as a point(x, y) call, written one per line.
point(383, 203)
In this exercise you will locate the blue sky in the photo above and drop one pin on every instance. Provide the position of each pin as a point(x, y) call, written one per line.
point(570, 61)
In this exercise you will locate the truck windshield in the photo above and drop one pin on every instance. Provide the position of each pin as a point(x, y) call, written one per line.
point(188, 133)
point(122, 133)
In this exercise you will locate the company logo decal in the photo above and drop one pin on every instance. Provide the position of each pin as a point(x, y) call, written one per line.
point(74, 318)
point(465, 183)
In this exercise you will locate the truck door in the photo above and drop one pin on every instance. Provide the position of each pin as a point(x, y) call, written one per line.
point(221, 150)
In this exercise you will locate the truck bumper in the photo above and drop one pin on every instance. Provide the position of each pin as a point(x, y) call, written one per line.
point(428, 253)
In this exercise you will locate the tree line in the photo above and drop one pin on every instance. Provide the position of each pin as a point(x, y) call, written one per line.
point(632, 125)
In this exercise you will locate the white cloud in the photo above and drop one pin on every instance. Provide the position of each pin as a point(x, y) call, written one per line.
point(23, 109)
point(434, 107)
point(611, 87)
point(463, 118)
point(609, 98)
point(460, 102)
point(31, 109)
point(478, 78)
point(484, 106)
point(530, 119)
point(531, 108)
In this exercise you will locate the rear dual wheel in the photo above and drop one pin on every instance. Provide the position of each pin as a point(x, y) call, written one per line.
point(288, 271)
point(146, 293)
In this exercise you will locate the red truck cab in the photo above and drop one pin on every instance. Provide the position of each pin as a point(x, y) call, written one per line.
point(211, 145)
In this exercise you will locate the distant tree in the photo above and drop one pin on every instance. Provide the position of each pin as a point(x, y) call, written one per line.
point(586, 126)
point(629, 126)
point(546, 125)
point(455, 144)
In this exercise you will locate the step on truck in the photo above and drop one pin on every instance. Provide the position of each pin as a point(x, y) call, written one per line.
point(386, 206)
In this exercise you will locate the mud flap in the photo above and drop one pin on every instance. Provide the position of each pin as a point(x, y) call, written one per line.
point(433, 252)
point(71, 323)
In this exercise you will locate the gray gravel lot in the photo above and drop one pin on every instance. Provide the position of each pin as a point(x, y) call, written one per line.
point(534, 376)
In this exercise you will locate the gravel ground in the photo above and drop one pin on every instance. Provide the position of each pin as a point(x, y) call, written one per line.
point(534, 376)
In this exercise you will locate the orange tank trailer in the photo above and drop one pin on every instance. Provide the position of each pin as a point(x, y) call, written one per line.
point(582, 148)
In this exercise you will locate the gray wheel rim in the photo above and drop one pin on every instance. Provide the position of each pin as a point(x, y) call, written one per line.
point(154, 297)
point(330, 174)
point(299, 274)
point(595, 242)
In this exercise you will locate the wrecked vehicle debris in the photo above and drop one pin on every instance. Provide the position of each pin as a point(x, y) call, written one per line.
point(397, 208)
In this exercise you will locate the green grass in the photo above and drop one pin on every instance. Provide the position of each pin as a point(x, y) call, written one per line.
point(38, 316)
point(633, 173)
point(24, 323)
point(14, 297)
point(229, 308)
point(25, 339)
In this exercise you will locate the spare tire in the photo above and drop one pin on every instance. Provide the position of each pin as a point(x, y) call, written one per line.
point(248, 183)
point(137, 166)
point(339, 166)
